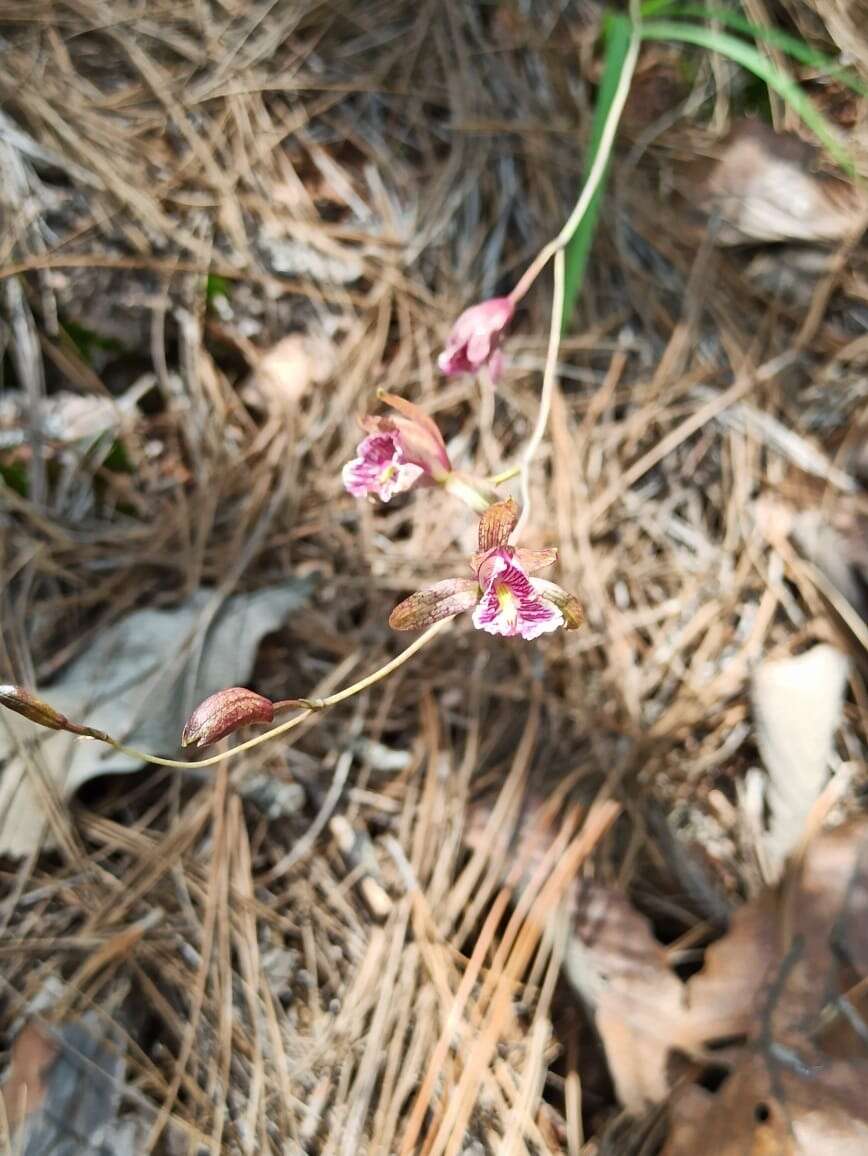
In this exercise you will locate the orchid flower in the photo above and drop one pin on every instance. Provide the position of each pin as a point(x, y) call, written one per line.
point(397, 454)
point(475, 338)
point(405, 452)
point(504, 597)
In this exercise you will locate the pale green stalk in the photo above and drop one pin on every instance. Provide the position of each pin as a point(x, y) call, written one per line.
point(312, 706)
point(555, 249)
point(549, 379)
point(598, 168)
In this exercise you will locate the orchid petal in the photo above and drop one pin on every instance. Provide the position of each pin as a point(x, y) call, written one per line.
point(420, 439)
point(442, 600)
point(380, 467)
point(413, 413)
point(533, 560)
point(510, 605)
point(496, 524)
point(567, 604)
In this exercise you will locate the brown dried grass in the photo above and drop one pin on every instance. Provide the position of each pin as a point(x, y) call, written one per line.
point(359, 172)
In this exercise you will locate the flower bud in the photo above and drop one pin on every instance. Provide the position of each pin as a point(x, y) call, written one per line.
point(568, 604)
point(476, 336)
point(224, 712)
point(23, 702)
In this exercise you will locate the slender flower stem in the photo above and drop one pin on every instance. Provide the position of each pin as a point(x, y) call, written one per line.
point(548, 387)
point(598, 168)
point(556, 248)
point(311, 706)
point(505, 476)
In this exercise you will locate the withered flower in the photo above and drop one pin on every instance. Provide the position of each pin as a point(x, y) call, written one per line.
point(224, 712)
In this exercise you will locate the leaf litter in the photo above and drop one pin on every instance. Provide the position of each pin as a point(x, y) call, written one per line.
point(744, 192)
point(356, 183)
point(139, 681)
point(64, 1088)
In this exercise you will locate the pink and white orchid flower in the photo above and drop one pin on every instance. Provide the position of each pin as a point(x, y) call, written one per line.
point(381, 468)
point(397, 454)
point(504, 597)
point(475, 338)
point(405, 452)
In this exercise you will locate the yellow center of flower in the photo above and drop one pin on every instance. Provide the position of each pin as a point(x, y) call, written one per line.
point(507, 601)
point(387, 474)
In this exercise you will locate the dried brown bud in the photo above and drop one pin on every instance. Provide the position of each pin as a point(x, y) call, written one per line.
point(224, 712)
point(568, 604)
point(23, 702)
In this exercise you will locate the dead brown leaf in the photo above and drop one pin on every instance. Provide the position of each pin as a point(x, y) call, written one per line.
point(799, 957)
point(722, 996)
point(65, 1087)
point(768, 980)
point(23, 1090)
point(763, 189)
point(774, 1110)
point(620, 969)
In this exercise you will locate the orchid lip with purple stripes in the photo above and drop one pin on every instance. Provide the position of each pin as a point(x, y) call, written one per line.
point(504, 597)
point(510, 604)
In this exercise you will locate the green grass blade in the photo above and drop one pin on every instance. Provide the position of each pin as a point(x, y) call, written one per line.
point(652, 7)
point(616, 36)
point(792, 45)
point(750, 58)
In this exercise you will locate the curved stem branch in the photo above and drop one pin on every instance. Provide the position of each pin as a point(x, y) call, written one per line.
point(598, 168)
point(315, 705)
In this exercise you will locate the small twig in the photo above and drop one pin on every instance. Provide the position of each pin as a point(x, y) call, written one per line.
point(308, 841)
point(358, 852)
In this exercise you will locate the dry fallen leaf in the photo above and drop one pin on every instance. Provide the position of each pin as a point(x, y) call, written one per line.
point(644, 1012)
point(762, 189)
point(74, 1075)
point(620, 969)
point(65, 418)
point(23, 1089)
point(797, 705)
point(799, 957)
point(764, 987)
point(139, 680)
point(776, 1110)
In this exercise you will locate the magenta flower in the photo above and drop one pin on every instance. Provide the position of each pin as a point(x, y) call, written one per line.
point(397, 454)
point(504, 597)
point(510, 604)
point(380, 468)
point(475, 338)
